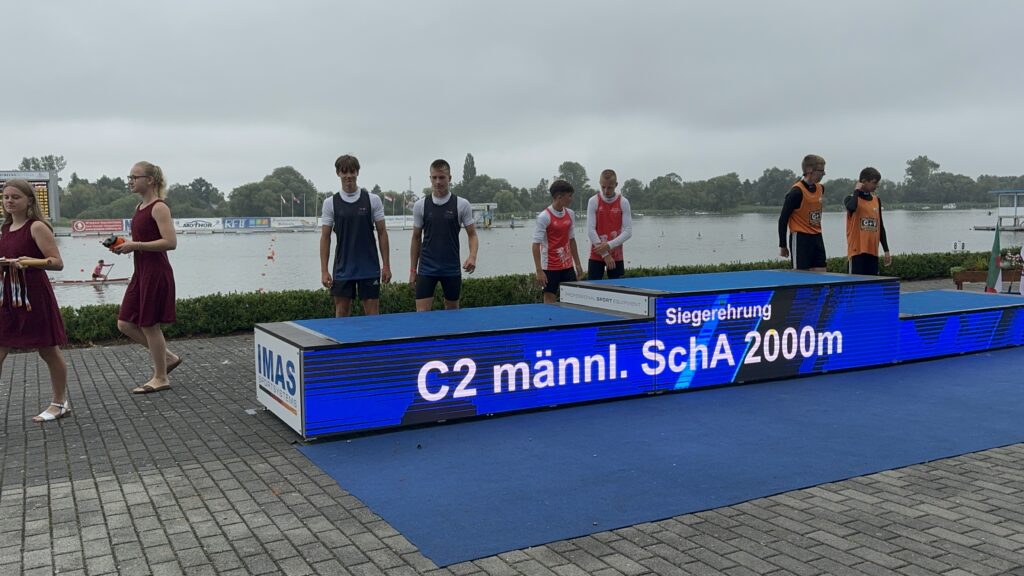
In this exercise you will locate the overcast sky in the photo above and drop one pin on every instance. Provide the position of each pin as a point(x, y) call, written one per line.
point(230, 90)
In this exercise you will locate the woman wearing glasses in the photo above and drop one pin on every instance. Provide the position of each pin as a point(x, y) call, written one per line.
point(149, 299)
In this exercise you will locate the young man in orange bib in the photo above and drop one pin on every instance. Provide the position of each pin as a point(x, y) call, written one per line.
point(609, 225)
point(801, 213)
point(864, 228)
point(556, 258)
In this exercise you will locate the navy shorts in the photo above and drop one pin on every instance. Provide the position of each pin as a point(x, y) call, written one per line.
point(806, 250)
point(450, 285)
point(368, 288)
point(596, 268)
point(556, 277)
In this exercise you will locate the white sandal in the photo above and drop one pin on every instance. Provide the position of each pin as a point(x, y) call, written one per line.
point(63, 410)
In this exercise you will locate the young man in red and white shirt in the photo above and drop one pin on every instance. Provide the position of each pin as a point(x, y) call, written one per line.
point(609, 225)
point(555, 255)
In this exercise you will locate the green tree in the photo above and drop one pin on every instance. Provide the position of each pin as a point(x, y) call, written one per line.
point(272, 195)
point(636, 192)
point(198, 199)
point(507, 202)
point(773, 185)
point(576, 174)
point(48, 163)
point(469, 169)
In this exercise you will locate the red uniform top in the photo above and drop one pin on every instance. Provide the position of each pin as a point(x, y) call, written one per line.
point(20, 328)
point(149, 299)
point(807, 218)
point(609, 226)
point(559, 255)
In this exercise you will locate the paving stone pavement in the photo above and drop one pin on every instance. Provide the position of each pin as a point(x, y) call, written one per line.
point(199, 480)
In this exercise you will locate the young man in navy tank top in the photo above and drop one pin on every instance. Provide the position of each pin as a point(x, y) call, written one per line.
point(434, 253)
point(352, 216)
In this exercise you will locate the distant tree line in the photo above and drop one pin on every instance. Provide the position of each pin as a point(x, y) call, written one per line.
point(284, 191)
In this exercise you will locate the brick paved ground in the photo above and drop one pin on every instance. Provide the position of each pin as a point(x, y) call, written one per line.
point(197, 480)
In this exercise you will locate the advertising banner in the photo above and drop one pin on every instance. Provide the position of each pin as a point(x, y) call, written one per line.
point(98, 226)
point(248, 223)
point(297, 222)
point(198, 224)
point(279, 378)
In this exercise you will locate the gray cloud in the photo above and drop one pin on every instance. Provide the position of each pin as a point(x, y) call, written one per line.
point(229, 90)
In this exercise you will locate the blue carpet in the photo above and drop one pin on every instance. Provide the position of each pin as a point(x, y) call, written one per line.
point(474, 489)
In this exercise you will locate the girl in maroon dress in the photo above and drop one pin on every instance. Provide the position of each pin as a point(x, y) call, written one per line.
point(29, 317)
point(149, 299)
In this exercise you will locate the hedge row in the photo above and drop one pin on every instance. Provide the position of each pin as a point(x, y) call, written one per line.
point(221, 314)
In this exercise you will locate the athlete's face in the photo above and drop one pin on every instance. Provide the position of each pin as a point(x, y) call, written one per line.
point(562, 201)
point(608, 186)
point(815, 175)
point(439, 181)
point(869, 185)
point(348, 181)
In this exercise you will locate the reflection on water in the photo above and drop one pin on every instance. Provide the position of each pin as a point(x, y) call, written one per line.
point(211, 263)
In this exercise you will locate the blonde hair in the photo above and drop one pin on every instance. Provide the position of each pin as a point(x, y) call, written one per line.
point(812, 162)
point(33, 211)
point(154, 172)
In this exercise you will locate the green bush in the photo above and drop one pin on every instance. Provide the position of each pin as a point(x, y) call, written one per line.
point(222, 314)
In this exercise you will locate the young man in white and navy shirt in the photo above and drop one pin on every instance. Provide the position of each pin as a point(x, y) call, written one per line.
point(434, 253)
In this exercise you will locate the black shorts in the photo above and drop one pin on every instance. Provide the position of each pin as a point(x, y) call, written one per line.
point(596, 268)
point(864, 264)
point(806, 250)
point(556, 277)
point(369, 288)
point(450, 285)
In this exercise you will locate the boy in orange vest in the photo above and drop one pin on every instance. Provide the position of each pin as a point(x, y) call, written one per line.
point(801, 213)
point(864, 227)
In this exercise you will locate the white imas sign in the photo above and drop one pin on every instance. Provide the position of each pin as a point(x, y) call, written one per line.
point(279, 378)
point(198, 224)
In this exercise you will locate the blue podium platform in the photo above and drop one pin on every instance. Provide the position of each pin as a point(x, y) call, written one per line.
point(610, 339)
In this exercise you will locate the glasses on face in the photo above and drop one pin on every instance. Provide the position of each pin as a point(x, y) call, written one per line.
point(132, 177)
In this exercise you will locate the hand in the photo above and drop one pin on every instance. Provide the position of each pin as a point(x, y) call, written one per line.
point(579, 273)
point(327, 280)
point(609, 262)
point(385, 274)
point(888, 259)
point(601, 247)
point(541, 278)
point(412, 277)
point(470, 264)
point(784, 252)
point(125, 248)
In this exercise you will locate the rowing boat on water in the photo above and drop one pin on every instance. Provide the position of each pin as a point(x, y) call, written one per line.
point(88, 282)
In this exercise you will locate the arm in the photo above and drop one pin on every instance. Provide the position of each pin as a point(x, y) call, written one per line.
point(385, 251)
point(851, 203)
point(595, 240)
point(474, 245)
point(539, 274)
point(42, 235)
point(414, 253)
point(168, 239)
point(881, 231)
point(326, 277)
point(627, 226)
point(793, 201)
point(576, 258)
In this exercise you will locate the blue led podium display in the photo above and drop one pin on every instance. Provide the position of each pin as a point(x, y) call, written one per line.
point(610, 339)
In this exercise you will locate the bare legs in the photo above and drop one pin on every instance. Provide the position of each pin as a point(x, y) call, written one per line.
point(151, 338)
point(58, 376)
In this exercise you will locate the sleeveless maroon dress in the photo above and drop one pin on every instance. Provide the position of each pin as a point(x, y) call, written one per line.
point(19, 328)
point(149, 299)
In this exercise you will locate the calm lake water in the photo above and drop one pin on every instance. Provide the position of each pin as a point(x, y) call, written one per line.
point(211, 263)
